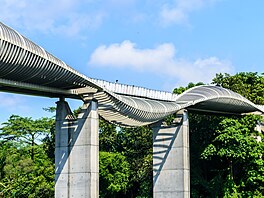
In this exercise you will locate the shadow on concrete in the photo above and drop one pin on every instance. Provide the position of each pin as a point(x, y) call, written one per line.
point(162, 144)
point(73, 126)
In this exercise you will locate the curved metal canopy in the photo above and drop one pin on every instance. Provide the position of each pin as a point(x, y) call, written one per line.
point(27, 68)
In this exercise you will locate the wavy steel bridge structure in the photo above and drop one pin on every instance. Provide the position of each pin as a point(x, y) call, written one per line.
point(27, 68)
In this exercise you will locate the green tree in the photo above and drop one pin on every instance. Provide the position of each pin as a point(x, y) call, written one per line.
point(225, 158)
point(240, 154)
point(202, 132)
point(248, 84)
point(114, 174)
point(23, 177)
point(25, 130)
point(26, 169)
point(136, 145)
point(108, 136)
point(183, 89)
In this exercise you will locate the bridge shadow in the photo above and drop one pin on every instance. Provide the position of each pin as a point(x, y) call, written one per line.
point(70, 130)
point(163, 140)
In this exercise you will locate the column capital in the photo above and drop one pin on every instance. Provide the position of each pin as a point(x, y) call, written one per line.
point(88, 97)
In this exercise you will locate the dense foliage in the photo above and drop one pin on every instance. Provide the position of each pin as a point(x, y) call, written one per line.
point(248, 84)
point(180, 90)
point(235, 147)
point(136, 145)
point(114, 174)
point(226, 154)
point(226, 158)
point(25, 167)
point(227, 161)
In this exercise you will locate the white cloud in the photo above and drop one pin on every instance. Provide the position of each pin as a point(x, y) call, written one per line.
point(64, 17)
point(126, 55)
point(161, 60)
point(74, 17)
point(179, 12)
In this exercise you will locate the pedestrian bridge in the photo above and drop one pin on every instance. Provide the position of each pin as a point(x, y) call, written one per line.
point(27, 68)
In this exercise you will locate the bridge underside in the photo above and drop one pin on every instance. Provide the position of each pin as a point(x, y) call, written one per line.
point(127, 110)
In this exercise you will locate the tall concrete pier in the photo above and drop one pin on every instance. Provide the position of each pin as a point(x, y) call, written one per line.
point(77, 152)
point(171, 164)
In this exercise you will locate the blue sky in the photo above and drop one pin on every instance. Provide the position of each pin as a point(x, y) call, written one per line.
point(158, 44)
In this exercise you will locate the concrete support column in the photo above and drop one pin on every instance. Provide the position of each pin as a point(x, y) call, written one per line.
point(77, 152)
point(171, 164)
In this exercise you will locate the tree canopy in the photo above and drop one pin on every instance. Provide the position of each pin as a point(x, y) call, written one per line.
point(26, 169)
point(248, 84)
point(226, 158)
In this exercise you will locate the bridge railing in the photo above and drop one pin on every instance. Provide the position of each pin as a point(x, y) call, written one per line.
point(132, 90)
